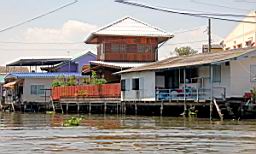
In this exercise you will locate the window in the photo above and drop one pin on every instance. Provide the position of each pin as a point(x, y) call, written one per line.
point(115, 47)
point(135, 84)
point(131, 48)
point(253, 73)
point(123, 85)
point(144, 48)
point(37, 89)
point(217, 73)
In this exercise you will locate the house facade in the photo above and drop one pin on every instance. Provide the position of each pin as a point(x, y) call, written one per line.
point(73, 65)
point(200, 77)
point(33, 87)
point(244, 35)
point(126, 42)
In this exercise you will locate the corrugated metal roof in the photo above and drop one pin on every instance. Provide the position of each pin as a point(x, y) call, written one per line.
point(118, 64)
point(129, 26)
point(37, 61)
point(192, 60)
point(42, 75)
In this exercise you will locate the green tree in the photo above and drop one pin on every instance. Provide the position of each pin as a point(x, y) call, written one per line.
point(185, 51)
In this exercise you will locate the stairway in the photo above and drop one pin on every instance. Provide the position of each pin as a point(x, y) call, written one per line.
point(225, 108)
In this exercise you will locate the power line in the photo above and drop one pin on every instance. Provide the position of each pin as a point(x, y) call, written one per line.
point(178, 12)
point(29, 49)
point(211, 13)
point(188, 42)
point(217, 5)
point(37, 17)
point(41, 43)
point(244, 1)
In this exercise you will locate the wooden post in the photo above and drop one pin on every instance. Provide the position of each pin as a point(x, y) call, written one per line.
point(161, 108)
point(105, 107)
point(211, 82)
point(124, 108)
point(135, 103)
point(67, 108)
point(78, 107)
point(117, 108)
point(90, 107)
point(184, 76)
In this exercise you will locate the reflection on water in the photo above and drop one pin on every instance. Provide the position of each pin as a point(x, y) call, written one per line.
point(41, 133)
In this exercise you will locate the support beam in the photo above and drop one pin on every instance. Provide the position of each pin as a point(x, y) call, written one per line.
point(161, 108)
point(105, 107)
point(136, 108)
point(90, 107)
point(67, 108)
point(211, 82)
point(78, 108)
point(184, 76)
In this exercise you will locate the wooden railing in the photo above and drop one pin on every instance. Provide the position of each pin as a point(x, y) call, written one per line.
point(89, 91)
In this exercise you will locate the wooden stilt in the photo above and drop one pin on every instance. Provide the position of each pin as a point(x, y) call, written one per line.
point(124, 108)
point(105, 107)
point(78, 108)
point(117, 108)
point(13, 108)
point(161, 108)
point(90, 107)
point(67, 108)
point(136, 108)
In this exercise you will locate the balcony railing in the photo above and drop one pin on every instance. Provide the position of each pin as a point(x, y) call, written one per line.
point(88, 91)
point(190, 94)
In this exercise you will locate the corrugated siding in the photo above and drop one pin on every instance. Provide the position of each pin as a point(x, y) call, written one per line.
point(90, 91)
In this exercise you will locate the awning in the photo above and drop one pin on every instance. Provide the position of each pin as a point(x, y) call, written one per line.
point(11, 84)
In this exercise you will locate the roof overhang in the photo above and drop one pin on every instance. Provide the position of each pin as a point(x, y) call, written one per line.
point(194, 60)
point(38, 61)
point(94, 38)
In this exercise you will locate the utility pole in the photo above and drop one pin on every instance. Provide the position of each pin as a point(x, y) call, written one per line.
point(209, 35)
point(211, 67)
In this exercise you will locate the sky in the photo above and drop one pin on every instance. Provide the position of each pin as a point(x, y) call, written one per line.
point(74, 23)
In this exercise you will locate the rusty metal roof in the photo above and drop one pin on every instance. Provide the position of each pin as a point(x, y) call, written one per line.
point(192, 60)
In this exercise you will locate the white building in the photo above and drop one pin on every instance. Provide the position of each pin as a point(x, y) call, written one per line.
point(32, 87)
point(244, 35)
point(228, 74)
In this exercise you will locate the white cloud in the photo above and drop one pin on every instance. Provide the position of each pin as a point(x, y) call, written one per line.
point(70, 31)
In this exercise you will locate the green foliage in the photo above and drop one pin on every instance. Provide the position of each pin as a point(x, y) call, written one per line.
point(62, 81)
point(73, 121)
point(94, 79)
point(71, 81)
point(100, 81)
point(185, 51)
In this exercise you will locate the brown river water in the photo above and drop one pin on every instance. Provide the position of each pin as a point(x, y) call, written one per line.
point(42, 133)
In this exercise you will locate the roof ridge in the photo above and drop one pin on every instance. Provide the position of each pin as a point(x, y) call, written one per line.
point(132, 18)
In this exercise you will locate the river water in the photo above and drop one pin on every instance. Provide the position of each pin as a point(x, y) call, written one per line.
point(42, 133)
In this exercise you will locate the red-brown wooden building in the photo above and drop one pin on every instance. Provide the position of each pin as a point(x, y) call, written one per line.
point(123, 44)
